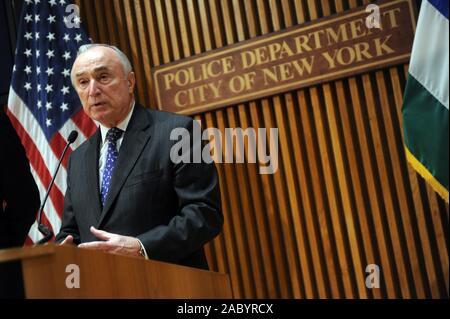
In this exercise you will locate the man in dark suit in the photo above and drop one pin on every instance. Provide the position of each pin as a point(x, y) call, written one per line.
point(124, 193)
point(19, 196)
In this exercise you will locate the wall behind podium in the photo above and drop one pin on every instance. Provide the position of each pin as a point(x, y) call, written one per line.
point(343, 197)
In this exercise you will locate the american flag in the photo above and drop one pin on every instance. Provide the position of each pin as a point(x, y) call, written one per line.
point(42, 105)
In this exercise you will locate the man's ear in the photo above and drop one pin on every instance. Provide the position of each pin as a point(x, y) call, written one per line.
point(131, 81)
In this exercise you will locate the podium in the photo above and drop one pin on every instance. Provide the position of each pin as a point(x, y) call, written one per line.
point(53, 271)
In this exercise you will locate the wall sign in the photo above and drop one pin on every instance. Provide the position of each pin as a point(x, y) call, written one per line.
point(320, 51)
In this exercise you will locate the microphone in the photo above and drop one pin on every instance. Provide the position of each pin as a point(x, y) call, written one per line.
point(48, 234)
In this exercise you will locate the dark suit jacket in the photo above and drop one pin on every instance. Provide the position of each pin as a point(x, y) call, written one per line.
point(174, 209)
point(17, 188)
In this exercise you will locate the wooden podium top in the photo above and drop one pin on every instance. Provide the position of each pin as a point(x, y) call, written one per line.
point(51, 271)
point(27, 252)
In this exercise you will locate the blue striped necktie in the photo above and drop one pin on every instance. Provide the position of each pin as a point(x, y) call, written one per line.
point(111, 156)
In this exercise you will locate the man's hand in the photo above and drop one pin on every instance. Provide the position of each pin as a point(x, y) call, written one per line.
point(113, 243)
point(68, 240)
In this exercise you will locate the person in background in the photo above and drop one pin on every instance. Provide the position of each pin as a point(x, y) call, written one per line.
point(19, 195)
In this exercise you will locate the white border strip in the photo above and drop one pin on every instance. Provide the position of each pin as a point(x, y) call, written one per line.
point(430, 53)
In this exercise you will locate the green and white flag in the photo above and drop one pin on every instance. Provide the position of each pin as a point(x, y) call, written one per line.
point(425, 105)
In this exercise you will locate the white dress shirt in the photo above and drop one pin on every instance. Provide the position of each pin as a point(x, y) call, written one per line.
point(104, 146)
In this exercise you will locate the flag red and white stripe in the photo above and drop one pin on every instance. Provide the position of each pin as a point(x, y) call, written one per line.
point(44, 156)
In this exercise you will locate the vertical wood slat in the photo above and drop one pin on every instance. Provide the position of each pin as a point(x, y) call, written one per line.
point(219, 245)
point(314, 283)
point(355, 179)
point(314, 264)
point(277, 242)
point(329, 239)
point(343, 196)
point(387, 191)
point(162, 32)
point(259, 280)
point(215, 248)
point(399, 185)
point(211, 121)
point(281, 208)
point(333, 238)
point(248, 240)
point(249, 200)
point(374, 211)
point(413, 244)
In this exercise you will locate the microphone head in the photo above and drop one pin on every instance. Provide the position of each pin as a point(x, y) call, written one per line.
point(72, 137)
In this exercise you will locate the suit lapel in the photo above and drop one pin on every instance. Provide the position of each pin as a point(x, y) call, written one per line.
point(92, 191)
point(136, 136)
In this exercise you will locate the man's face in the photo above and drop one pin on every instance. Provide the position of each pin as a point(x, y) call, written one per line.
point(105, 91)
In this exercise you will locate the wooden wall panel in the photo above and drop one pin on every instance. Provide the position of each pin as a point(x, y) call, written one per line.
point(343, 196)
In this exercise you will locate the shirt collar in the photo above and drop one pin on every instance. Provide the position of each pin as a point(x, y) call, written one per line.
point(122, 125)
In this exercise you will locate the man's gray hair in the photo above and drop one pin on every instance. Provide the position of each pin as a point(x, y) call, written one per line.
point(122, 57)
